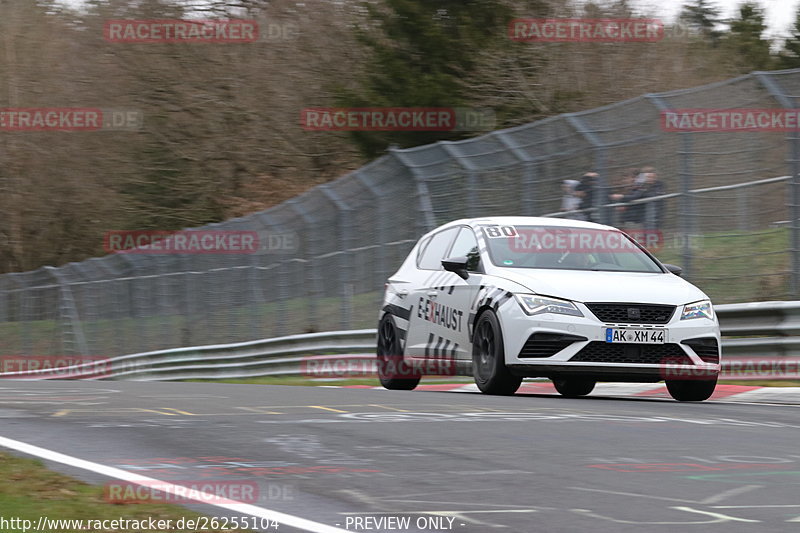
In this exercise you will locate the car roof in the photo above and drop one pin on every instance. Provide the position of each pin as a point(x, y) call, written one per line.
point(524, 221)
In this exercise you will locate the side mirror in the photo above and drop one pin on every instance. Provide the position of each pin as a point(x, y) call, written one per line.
point(675, 269)
point(458, 265)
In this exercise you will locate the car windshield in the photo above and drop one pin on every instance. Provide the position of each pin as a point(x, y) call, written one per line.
point(566, 248)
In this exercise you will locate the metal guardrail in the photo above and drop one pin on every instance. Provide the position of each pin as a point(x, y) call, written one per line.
point(760, 331)
point(758, 338)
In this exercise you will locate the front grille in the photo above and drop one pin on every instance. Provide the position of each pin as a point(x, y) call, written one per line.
point(632, 313)
point(706, 349)
point(606, 352)
point(547, 344)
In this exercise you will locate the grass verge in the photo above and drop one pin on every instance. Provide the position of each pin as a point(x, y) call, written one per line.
point(28, 491)
point(762, 383)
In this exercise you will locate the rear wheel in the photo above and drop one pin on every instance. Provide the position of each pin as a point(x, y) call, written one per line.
point(390, 358)
point(488, 358)
point(574, 387)
point(691, 390)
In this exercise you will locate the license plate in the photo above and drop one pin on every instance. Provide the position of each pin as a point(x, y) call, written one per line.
point(636, 335)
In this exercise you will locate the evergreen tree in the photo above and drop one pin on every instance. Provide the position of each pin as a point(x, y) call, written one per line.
point(746, 38)
point(790, 55)
point(421, 52)
point(703, 18)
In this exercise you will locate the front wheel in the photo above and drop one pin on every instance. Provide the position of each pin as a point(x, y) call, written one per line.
point(390, 358)
point(488, 358)
point(573, 388)
point(691, 390)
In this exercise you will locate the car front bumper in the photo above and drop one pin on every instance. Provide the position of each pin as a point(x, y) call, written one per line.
point(683, 362)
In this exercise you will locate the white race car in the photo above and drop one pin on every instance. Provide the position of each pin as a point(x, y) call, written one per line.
point(505, 298)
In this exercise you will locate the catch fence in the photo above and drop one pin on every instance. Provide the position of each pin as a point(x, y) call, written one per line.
point(729, 216)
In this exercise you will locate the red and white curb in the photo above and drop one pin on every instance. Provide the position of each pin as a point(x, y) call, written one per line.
point(728, 393)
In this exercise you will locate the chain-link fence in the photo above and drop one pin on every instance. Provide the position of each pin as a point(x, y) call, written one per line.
point(729, 216)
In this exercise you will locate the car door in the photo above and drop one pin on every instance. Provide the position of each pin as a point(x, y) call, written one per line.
point(443, 299)
point(459, 293)
point(424, 295)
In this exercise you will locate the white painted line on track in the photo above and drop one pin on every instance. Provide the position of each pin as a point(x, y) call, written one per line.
point(206, 498)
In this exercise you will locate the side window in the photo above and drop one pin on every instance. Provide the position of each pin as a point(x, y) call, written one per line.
point(466, 245)
point(422, 247)
point(434, 253)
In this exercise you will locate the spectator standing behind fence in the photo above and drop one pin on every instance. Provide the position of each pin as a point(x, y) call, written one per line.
point(647, 214)
point(626, 184)
point(571, 201)
point(586, 191)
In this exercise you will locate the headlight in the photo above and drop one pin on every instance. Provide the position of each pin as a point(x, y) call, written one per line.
point(701, 309)
point(536, 305)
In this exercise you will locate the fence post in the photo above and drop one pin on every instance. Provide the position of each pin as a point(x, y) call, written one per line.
point(793, 138)
point(381, 272)
point(347, 256)
point(600, 193)
point(315, 278)
point(473, 204)
point(529, 172)
point(68, 314)
point(686, 200)
point(269, 225)
point(427, 221)
point(742, 208)
point(794, 186)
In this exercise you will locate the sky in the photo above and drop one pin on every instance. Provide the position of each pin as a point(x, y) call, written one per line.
point(780, 13)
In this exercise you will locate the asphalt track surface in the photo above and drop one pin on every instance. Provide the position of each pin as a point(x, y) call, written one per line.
point(527, 463)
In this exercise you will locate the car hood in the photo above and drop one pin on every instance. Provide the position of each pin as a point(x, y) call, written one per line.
point(589, 286)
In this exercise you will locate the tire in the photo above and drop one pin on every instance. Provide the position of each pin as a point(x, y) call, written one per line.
point(691, 390)
point(574, 387)
point(390, 355)
point(488, 358)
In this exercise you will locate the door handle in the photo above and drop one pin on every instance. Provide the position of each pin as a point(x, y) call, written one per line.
point(402, 293)
point(432, 294)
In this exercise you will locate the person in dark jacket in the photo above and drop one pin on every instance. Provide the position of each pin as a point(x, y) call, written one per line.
point(647, 214)
point(585, 191)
